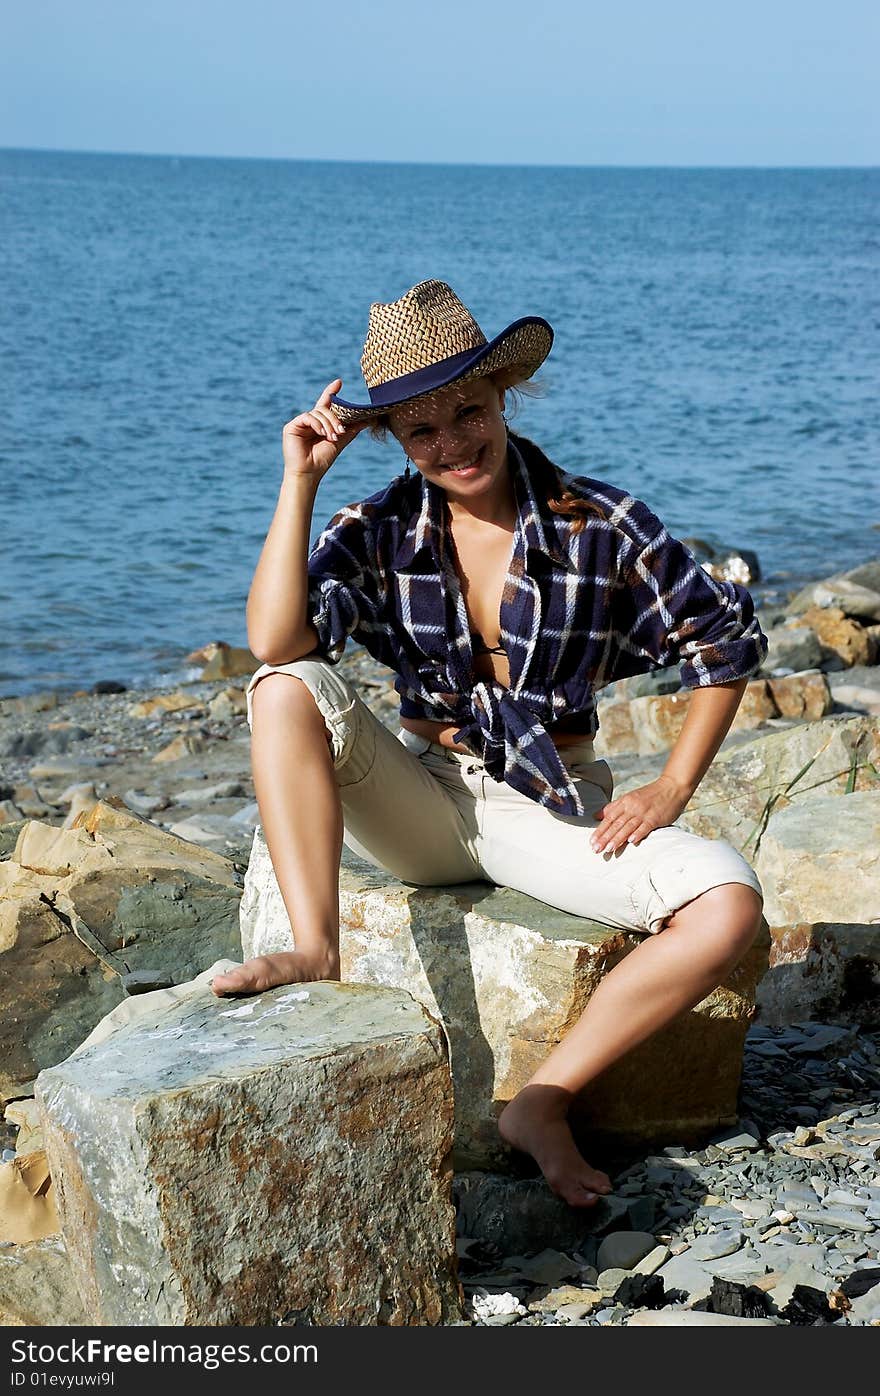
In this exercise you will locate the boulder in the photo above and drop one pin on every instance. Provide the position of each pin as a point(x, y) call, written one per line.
point(162, 703)
point(725, 563)
point(278, 1159)
point(36, 1285)
point(806, 695)
point(839, 635)
point(521, 1216)
point(748, 781)
point(228, 703)
point(186, 744)
point(653, 723)
point(856, 593)
point(84, 906)
point(819, 865)
point(223, 661)
point(820, 860)
point(791, 648)
point(508, 976)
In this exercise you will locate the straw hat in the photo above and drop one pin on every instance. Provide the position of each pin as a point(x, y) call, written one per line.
point(428, 339)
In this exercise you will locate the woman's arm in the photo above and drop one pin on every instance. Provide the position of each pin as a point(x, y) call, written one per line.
point(709, 715)
point(278, 628)
point(631, 818)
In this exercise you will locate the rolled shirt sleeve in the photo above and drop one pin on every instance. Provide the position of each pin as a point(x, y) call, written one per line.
point(346, 589)
point(675, 613)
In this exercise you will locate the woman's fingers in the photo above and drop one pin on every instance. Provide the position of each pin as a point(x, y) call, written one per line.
point(615, 831)
point(306, 422)
point(331, 388)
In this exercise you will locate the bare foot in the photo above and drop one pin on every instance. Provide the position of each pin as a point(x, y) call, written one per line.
point(268, 971)
point(535, 1122)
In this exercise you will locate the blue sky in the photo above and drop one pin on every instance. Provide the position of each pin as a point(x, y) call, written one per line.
point(584, 82)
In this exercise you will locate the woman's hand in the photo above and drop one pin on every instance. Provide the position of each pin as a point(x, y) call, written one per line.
point(312, 441)
point(635, 814)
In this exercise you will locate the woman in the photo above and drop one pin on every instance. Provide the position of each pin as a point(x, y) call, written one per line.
point(502, 592)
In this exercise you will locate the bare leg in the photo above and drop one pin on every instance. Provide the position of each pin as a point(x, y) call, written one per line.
point(301, 816)
point(665, 975)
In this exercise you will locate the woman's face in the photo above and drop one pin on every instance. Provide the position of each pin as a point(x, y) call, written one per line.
point(457, 437)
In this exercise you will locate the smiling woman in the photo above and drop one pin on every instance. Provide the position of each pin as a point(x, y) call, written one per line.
point(502, 593)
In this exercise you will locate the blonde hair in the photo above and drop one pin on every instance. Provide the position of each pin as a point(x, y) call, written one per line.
point(541, 470)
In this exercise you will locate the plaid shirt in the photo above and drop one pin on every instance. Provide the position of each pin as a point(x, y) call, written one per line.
point(579, 611)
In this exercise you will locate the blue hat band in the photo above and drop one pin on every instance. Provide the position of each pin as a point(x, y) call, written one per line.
point(422, 380)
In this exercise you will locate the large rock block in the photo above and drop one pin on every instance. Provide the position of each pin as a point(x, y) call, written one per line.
point(819, 864)
point(652, 723)
point(84, 907)
point(821, 857)
point(748, 782)
point(508, 976)
point(280, 1158)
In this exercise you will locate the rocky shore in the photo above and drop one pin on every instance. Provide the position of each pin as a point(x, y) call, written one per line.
point(776, 1220)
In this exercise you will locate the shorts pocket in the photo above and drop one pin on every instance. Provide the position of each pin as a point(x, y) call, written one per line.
point(419, 746)
point(596, 772)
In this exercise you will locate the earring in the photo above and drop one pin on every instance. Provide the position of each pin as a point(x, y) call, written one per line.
point(406, 474)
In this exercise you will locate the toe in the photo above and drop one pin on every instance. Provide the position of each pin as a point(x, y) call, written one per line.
point(232, 982)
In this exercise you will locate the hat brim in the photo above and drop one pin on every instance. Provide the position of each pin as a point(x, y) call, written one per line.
point(525, 343)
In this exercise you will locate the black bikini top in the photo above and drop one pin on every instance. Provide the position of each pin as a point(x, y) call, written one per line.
point(479, 646)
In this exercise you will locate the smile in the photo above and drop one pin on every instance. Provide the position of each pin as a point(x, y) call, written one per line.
point(467, 466)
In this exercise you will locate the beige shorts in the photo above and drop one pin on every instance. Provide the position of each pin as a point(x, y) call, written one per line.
point(430, 816)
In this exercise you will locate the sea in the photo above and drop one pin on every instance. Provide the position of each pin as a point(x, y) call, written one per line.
point(161, 317)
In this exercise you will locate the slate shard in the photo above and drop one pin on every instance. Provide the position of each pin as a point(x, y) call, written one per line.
point(641, 1291)
point(860, 1281)
point(809, 1308)
point(737, 1301)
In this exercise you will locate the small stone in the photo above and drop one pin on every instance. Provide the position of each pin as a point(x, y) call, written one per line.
point(652, 1261)
point(683, 1273)
point(860, 1282)
point(572, 1312)
point(143, 981)
point(677, 1317)
point(733, 1143)
point(715, 1244)
point(546, 1268)
point(185, 745)
point(753, 1209)
point(839, 1198)
point(616, 1314)
point(144, 803)
point(641, 1291)
point(609, 1280)
point(622, 1250)
point(838, 1219)
point(739, 1301)
point(563, 1296)
point(808, 1307)
point(866, 1308)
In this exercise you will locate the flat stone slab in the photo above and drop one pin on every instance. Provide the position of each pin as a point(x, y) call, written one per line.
point(508, 976)
point(277, 1158)
point(36, 1285)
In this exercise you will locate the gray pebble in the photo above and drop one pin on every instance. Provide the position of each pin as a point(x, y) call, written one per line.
point(716, 1244)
